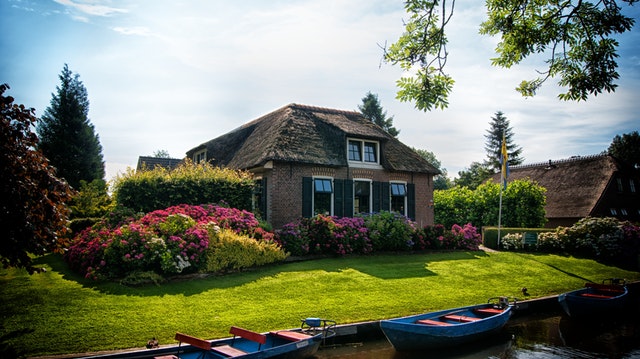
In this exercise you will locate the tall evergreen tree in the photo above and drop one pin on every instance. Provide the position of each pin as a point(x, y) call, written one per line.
point(372, 110)
point(499, 126)
point(67, 137)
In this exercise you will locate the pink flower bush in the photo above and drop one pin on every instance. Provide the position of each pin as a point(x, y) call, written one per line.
point(168, 241)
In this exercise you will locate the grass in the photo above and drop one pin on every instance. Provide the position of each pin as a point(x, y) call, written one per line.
point(58, 312)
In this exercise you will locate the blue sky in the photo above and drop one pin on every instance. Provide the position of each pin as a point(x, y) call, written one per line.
point(170, 75)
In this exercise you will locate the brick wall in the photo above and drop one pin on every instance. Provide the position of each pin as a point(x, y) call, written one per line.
point(284, 189)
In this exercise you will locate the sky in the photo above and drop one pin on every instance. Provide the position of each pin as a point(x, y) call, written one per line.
point(170, 75)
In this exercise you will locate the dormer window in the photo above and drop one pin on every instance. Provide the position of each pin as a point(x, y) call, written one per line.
point(365, 152)
point(200, 156)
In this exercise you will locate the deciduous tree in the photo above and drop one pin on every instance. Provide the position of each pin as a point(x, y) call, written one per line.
point(626, 148)
point(33, 214)
point(67, 137)
point(576, 36)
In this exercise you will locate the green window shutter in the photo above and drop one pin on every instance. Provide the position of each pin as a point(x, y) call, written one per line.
point(411, 201)
point(386, 199)
point(348, 198)
point(307, 197)
point(338, 197)
point(376, 196)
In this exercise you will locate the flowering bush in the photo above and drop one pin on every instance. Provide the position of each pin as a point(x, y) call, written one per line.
point(390, 231)
point(429, 237)
point(466, 237)
point(511, 241)
point(325, 235)
point(170, 241)
point(341, 236)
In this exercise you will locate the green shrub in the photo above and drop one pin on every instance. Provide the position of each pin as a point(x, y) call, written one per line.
point(148, 190)
point(390, 231)
point(138, 279)
point(231, 251)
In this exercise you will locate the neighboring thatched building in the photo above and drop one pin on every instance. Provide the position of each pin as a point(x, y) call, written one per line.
point(149, 163)
point(311, 160)
point(596, 186)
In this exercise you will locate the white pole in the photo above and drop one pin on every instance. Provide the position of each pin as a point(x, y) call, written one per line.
point(499, 216)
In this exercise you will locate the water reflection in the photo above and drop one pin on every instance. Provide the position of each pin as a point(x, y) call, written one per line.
point(550, 336)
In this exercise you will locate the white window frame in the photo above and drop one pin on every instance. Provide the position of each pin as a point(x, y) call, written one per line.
point(313, 192)
point(362, 162)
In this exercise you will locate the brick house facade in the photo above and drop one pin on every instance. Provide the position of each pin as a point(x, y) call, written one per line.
point(309, 160)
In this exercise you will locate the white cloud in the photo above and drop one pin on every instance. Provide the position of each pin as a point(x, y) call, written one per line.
point(91, 7)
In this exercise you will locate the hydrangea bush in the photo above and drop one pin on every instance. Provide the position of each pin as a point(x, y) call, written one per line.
point(374, 232)
point(170, 241)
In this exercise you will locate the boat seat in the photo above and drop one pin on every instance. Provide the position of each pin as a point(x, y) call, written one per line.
point(461, 318)
point(432, 322)
point(248, 334)
point(289, 335)
point(228, 351)
point(196, 342)
point(489, 310)
point(595, 295)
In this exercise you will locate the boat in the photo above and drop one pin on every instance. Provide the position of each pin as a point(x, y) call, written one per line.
point(595, 300)
point(297, 343)
point(449, 327)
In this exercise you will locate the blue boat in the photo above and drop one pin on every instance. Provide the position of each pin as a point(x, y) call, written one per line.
point(245, 344)
point(595, 300)
point(447, 328)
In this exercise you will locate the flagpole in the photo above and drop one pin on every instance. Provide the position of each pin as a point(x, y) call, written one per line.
point(499, 215)
point(503, 179)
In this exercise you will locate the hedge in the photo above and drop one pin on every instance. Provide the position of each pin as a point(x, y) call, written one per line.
point(148, 190)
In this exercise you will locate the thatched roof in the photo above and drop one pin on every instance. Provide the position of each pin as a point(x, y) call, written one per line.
point(307, 135)
point(148, 162)
point(574, 186)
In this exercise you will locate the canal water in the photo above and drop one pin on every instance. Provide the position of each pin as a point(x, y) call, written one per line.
point(546, 336)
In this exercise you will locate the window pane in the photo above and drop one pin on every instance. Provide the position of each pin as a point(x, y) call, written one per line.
point(322, 203)
point(361, 198)
point(322, 185)
point(397, 205)
point(370, 153)
point(354, 151)
point(398, 189)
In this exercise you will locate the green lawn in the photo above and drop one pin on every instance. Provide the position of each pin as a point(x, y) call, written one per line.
point(58, 312)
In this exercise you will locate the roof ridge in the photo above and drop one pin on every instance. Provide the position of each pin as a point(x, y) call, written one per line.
point(564, 160)
point(323, 109)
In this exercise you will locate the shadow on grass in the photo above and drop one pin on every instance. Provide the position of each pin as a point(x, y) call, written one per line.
point(535, 259)
point(382, 266)
point(7, 350)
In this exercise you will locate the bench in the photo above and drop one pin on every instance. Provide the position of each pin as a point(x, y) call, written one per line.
point(432, 322)
point(196, 342)
point(248, 334)
point(491, 311)
point(228, 350)
point(460, 318)
point(291, 336)
point(616, 290)
point(595, 295)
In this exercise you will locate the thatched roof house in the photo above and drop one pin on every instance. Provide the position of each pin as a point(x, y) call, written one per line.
point(318, 160)
point(149, 163)
point(597, 186)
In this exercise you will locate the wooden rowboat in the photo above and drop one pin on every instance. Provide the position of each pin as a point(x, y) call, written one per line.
point(447, 327)
point(245, 344)
point(595, 299)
